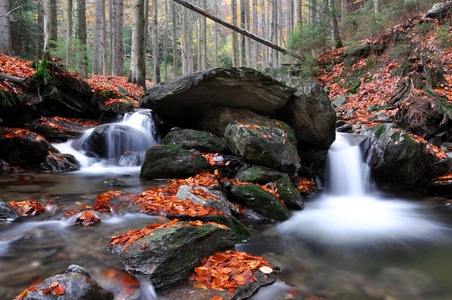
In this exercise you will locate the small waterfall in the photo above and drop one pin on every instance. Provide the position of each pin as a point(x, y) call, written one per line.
point(115, 144)
point(348, 213)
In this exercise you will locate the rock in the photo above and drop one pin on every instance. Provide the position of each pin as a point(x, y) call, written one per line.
point(380, 117)
point(183, 100)
point(23, 147)
point(311, 114)
point(289, 194)
point(440, 186)
point(269, 147)
point(398, 159)
point(8, 213)
point(74, 284)
point(204, 196)
point(202, 141)
point(168, 255)
point(131, 159)
point(259, 174)
point(339, 100)
point(58, 163)
point(172, 162)
point(261, 201)
point(61, 129)
point(438, 11)
point(219, 118)
point(112, 140)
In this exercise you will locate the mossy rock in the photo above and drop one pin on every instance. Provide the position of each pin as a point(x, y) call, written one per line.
point(259, 174)
point(191, 139)
point(289, 194)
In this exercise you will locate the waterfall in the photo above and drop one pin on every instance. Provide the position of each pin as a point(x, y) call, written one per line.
point(348, 213)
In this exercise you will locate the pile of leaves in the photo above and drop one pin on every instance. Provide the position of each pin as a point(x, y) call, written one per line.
point(229, 270)
point(305, 185)
point(55, 288)
point(20, 133)
point(87, 218)
point(132, 235)
point(63, 124)
point(28, 207)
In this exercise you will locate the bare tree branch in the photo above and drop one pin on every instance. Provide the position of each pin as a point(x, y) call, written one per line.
point(237, 29)
point(8, 13)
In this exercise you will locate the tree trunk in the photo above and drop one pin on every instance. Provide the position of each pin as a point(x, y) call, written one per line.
point(242, 37)
point(334, 25)
point(117, 41)
point(69, 31)
point(376, 4)
point(104, 41)
point(81, 36)
point(165, 42)
point(312, 13)
point(190, 65)
point(273, 31)
point(138, 65)
point(235, 56)
point(184, 42)
point(5, 29)
point(298, 13)
point(155, 42)
point(204, 61)
point(50, 24)
point(97, 45)
point(215, 35)
point(174, 36)
point(256, 30)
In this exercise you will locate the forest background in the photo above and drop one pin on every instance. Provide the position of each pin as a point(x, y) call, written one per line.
point(160, 39)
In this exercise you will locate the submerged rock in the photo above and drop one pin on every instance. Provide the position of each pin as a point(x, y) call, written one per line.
point(172, 162)
point(75, 283)
point(168, 255)
point(183, 100)
point(202, 141)
point(269, 147)
point(261, 201)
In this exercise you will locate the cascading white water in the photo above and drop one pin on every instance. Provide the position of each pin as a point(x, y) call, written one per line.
point(136, 132)
point(349, 214)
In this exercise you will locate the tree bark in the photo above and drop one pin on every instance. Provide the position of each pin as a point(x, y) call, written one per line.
point(81, 36)
point(237, 29)
point(5, 29)
point(104, 41)
point(256, 30)
point(334, 25)
point(155, 42)
point(235, 54)
point(215, 34)
point(174, 36)
point(138, 65)
point(69, 31)
point(97, 43)
point(242, 37)
point(204, 61)
point(165, 42)
point(50, 24)
point(376, 5)
point(117, 41)
point(298, 13)
point(184, 42)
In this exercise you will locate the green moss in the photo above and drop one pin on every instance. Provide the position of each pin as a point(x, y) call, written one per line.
point(395, 136)
point(42, 72)
point(379, 130)
point(241, 232)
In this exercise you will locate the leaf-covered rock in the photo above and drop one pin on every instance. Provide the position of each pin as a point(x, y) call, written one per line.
point(205, 196)
point(202, 141)
point(261, 201)
point(183, 100)
point(169, 254)
point(58, 163)
point(289, 194)
point(172, 162)
point(269, 147)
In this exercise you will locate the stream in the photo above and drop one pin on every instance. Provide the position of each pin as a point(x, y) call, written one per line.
point(351, 242)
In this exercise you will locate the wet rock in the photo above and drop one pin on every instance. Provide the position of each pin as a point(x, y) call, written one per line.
point(440, 186)
point(310, 113)
point(58, 163)
point(61, 129)
point(205, 196)
point(7, 213)
point(439, 10)
point(172, 162)
point(75, 284)
point(259, 174)
point(398, 159)
point(23, 147)
point(269, 147)
point(219, 118)
point(169, 254)
point(261, 201)
point(131, 159)
point(183, 100)
point(112, 140)
point(202, 141)
point(114, 182)
point(289, 194)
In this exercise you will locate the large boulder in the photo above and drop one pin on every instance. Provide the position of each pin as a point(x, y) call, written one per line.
point(260, 200)
point(259, 174)
point(74, 284)
point(172, 162)
point(168, 255)
point(310, 113)
point(183, 100)
point(202, 141)
point(401, 159)
point(23, 147)
point(439, 10)
point(266, 146)
point(220, 117)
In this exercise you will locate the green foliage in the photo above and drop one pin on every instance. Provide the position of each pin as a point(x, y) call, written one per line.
point(42, 72)
point(24, 29)
point(71, 51)
point(401, 52)
point(310, 39)
point(444, 37)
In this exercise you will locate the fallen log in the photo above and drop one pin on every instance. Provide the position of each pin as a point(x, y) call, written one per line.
point(11, 78)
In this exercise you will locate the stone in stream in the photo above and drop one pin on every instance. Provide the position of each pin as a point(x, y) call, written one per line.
point(261, 201)
point(168, 255)
point(207, 197)
point(7, 213)
point(75, 283)
point(185, 99)
point(172, 162)
point(266, 146)
point(289, 194)
point(259, 174)
point(202, 141)
point(58, 163)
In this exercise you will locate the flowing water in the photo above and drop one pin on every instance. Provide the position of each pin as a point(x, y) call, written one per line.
point(352, 242)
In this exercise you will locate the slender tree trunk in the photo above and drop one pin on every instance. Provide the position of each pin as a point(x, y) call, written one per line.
point(5, 29)
point(117, 41)
point(69, 29)
point(184, 34)
point(40, 25)
point(235, 56)
point(215, 34)
point(312, 12)
point(298, 13)
point(104, 41)
point(155, 42)
point(242, 37)
point(197, 20)
point(174, 36)
point(274, 31)
point(256, 30)
point(81, 36)
point(190, 61)
point(165, 42)
point(376, 4)
point(204, 60)
point(50, 23)
point(334, 25)
point(97, 45)
point(138, 65)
